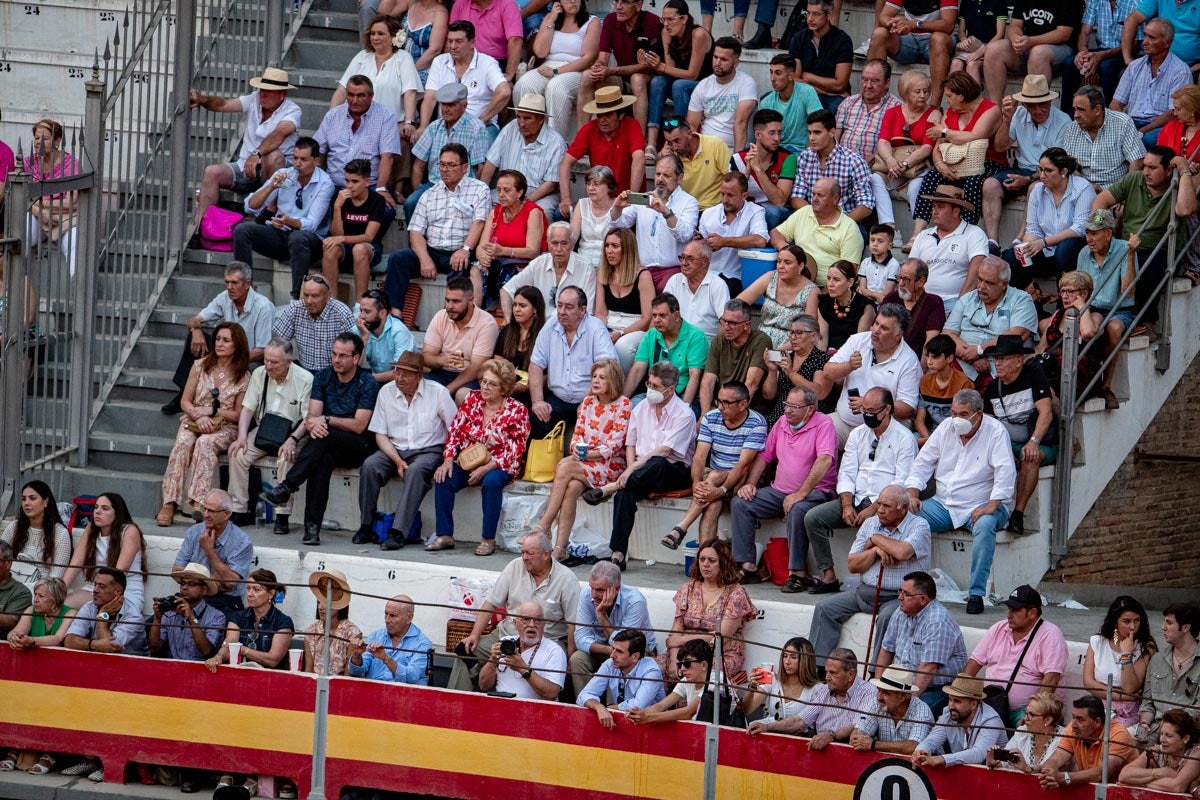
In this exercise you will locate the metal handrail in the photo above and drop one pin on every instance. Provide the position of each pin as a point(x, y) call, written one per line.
point(1071, 397)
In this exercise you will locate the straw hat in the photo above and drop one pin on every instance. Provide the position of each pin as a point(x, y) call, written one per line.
point(948, 193)
point(272, 79)
point(895, 679)
point(609, 98)
point(318, 582)
point(532, 104)
point(198, 572)
point(965, 686)
point(1034, 89)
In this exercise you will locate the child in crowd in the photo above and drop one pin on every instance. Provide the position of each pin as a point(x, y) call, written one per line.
point(356, 230)
point(941, 382)
point(878, 271)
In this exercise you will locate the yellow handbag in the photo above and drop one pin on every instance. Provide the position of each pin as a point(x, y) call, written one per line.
point(543, 455)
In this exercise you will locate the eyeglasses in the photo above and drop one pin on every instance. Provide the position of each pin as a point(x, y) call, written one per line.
point(802, 332)
point(728, 403)
point(489, 383)
point(874, 447)
point(621, 693)
point(455, 165)
point(315, 279)
point(375, 294)
point(794, 406)
point(732, 322)
point(684, 664)
point(208, 510)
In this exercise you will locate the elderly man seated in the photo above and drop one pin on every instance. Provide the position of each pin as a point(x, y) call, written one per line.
point(1148, 83)
point(411, 421)
point(1021, 398)
point(397, 652)
point(629, 678)
point(879, 357)
point(924, 638)
point(987, 312)
point(532, 148)
point(701, 293)
point(552, 272)
point(313, 322)
point(900, 720)
point(888, 546)
point(453, 125)
point(1104, 141)
point(860, 117)
point(185, 627)
point(560, 367)
point(822, 229)
point(971, 456)
point(951, 247)
point(877, 454)
point(831, 710)
point(109, 622)
point(965, 731)
point(221, 547)
point(927, 311)
point(525, 665)
point(606, 607)
point(533, 576)
point(804, 444)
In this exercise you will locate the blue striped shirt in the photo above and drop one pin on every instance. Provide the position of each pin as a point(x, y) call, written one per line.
point(468, 131)
point(914, 726)
point(727, 445)
point(931, 637)
point(1108, 22)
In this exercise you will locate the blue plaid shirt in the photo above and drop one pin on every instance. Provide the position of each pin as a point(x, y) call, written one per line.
point(378, 133)
point(843, 165)
point(445, 217)
point(1107, 22)
point(914, 726)
point(931, 637)
point(468, 131)
point(314, 337)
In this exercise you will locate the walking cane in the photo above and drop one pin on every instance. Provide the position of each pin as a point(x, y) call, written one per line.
point(874, 615)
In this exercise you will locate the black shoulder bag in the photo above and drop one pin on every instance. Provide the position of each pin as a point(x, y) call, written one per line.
point(996, 697)
point(273, 429)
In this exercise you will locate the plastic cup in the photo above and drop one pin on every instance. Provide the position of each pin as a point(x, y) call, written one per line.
point(581, 450)
point(766, 673)
point(235, 654)
point(295, 659)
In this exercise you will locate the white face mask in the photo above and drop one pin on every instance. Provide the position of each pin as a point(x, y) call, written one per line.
point(654, 396)
point(961, 425)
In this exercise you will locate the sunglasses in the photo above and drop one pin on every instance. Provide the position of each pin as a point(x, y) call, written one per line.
point(315, 279)
point(300, 197)
point(684, 664)
point(673, 123)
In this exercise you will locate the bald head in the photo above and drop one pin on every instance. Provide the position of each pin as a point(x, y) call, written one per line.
point(398, 615)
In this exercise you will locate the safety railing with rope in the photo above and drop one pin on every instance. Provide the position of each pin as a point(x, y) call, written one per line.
point(722, 686)
point(1172, 259)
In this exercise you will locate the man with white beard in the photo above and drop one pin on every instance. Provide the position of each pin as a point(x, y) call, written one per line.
point(928, 314)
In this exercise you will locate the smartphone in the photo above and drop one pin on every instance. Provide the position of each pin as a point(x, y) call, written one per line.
point(852, 392)
point(638, 199)
point(645, 43)
point(1002, 755)
point(495, 693)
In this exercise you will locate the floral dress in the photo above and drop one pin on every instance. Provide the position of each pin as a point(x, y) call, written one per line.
point(776, 316)
point(339, 648)
point(200, 451)
point(695, 617)
point(602, 427)
point(505, 436)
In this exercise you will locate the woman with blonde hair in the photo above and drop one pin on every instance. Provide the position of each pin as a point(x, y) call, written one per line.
point(624, 290)
point(785, 693)
point(597, 453)
point(1037, 738)
point(1179, 133)
point(906, 125)
point(490, 417)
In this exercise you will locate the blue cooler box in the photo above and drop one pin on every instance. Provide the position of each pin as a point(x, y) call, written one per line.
point(756, 262)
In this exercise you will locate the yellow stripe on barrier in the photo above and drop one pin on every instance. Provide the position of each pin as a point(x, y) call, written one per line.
point(765, 785)
point(509, 757)
point(156, 717)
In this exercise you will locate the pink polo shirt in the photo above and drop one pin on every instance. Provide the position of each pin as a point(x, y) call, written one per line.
point(797, 450)
point(494, 25)
point(999, 653)
point(477, 339)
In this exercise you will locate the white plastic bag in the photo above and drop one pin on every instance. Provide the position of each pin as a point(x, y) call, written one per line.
point(519, 513)
point(467, 596)
point(587, 541)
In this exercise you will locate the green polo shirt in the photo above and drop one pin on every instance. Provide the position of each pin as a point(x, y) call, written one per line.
point(15, 597)
point(1140, 204)
point(690, 351)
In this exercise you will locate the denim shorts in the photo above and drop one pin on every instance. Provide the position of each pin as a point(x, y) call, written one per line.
point(243, 183)
point(915, 49)
point(1124, 316)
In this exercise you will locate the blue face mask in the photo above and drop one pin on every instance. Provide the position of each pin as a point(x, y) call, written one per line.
point(797, 427)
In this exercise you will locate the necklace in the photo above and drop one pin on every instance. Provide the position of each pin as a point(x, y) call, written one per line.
point(837, 307)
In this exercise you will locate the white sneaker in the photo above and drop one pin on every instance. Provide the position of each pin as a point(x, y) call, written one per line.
point(863, 48)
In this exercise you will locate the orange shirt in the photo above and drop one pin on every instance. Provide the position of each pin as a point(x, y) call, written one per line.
point(1087, 754)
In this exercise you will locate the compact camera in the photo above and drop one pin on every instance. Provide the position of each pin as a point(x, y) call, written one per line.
point(509, 645)
point(166, 604)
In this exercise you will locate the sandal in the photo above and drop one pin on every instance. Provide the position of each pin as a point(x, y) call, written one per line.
point(675, 538)
point(225, 780)
point(486, 547)
point(10, 761)
point(44, 764)
point(166, 515)
point(560, 554)
point(440, 543)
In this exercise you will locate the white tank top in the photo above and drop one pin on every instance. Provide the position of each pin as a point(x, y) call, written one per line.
point(566, 47)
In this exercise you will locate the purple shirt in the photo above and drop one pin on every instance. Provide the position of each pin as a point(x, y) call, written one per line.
point(7, 162)
point(796, 452)
point(494, 25)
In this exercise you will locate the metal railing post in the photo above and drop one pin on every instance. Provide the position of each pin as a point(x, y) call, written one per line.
point(181, 127)
point(1060, 528)
point(12, 353)
point(274, 12)
point(712, 731)
point(321, 712)
point(83, 309)
point(1162, 358)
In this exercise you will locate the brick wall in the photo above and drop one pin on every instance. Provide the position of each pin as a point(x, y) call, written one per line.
point(1145, 528)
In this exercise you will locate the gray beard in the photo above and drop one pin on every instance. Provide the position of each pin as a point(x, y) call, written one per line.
point(663, 194)
point(905, 294)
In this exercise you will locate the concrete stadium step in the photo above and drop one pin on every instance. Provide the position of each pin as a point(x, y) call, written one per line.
point(119, 416)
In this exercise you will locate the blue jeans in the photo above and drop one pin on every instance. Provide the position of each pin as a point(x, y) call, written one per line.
point(983, 532)
point(776, 215)
point(492, 487)
point(681, 94)
point(741, 8)
point(410, 202)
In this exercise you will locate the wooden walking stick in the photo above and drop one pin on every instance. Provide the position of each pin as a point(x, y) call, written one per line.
point(874, 615)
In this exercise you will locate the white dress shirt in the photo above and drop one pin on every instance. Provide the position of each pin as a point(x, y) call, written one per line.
point(676, 429)
point(704, 306)
point(539, 274)
point(481, 78)
point(660, 245)
point(424, 422)
point(750, 220)
point(968, 475)
point(900, 374)
point(865, 473)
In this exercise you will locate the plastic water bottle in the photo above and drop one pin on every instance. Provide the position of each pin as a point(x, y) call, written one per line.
point(260, 514)
point(862, 722)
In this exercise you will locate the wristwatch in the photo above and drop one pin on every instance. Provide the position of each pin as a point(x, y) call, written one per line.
point(466, 248)
point(554, 71)
point(527, 674)
point(979, 349)
point(255, 153)
point(724, 490)
point(1066, 778)
point(103, 616)
point(326, 420)
point(1035, 439)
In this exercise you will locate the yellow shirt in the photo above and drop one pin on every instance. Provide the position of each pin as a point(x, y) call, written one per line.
point(824, 244)
point(702, 172)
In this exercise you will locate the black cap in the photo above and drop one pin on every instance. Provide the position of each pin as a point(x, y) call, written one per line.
point(1024, 596)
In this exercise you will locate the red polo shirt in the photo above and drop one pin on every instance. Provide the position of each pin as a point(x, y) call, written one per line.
point(615, 153)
